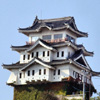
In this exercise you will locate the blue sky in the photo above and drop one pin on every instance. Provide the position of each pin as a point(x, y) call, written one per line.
point(21, 13)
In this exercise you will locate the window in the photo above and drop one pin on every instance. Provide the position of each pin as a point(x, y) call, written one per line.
point(46, 37)
point(20, 75)
point(39, 71)
point(48, 53)
point(57, 36)
point(74, 73)
point(43, 53)
point(77, 75)
point(69, 38)
point(54, 72)
point(28, 72)
point(62, 54)
point(72, 40)
point(57, 54)
point(44, 71)
point(37, 54)
point(33, 72)
point(32, 54)
point(23, 57)
point(28, 56)
point(68, 54)
point(58, 71)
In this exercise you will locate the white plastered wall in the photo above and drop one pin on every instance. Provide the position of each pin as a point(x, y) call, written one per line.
point(45, 31)
point(38, 49)
point(74, 68)
point(36, 76)
point(66, 49)
point(13, 76)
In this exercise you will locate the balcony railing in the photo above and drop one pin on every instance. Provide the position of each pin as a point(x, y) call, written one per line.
point(49, 41)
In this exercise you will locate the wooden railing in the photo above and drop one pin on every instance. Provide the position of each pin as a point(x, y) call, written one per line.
point(49, 41)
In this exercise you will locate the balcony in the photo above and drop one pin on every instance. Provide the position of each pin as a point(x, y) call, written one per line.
point(49, 41)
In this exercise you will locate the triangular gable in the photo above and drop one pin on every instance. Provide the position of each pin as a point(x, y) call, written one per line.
point(42, 43)
point(43, 25)
point(81, 60)
point(35, 60)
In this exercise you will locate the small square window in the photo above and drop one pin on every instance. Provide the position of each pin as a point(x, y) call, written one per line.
point(44, 71)
point(58, 71)
point(28, 72)
point(23, 57)
point(32, 54)
point(57, 54)
point(37, 54)
point(20, 75)
point(39, 71)
point(43, 53)
point(33, 72)
point(62, 54)
point(48, 53)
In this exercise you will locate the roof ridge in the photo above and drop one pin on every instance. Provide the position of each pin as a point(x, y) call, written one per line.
point(55, 19)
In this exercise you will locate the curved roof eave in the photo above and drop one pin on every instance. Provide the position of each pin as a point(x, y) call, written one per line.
point(79, 34)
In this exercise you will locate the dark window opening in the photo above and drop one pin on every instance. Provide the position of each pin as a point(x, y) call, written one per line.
point(20, 75)
point(37, 54)
point(23, 57)
point(57, 36)
point(62, 54)
point(48, 53)
point(28, 73)
point(39, 71)
point(73, 73)
point(44, 71)
point(68, 54)
point(58, 71)
point(43, 53)
point(32, 54)
point(33, 72)
point(57, 54)
point(46, 37)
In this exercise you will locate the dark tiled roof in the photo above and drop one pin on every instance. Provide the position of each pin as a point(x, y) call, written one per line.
point(13, 65)
point(24, 46)
point(54, 24)
point(76, 54)
point(54, 45)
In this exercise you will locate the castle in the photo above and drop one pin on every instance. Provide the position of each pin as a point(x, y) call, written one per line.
point(51, 54)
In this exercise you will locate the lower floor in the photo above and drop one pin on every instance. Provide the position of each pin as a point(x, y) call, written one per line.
point(38, 73)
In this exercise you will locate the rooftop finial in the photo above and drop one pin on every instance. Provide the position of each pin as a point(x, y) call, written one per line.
point(36, 19)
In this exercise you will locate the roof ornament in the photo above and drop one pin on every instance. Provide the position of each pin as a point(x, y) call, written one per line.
point(36, 20)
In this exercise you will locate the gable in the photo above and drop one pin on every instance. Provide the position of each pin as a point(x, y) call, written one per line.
point(36, 61)
point(42, 43)
point(81, 60)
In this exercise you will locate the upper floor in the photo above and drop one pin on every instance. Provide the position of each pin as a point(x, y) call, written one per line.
point(52, 36)
point(53, 30)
